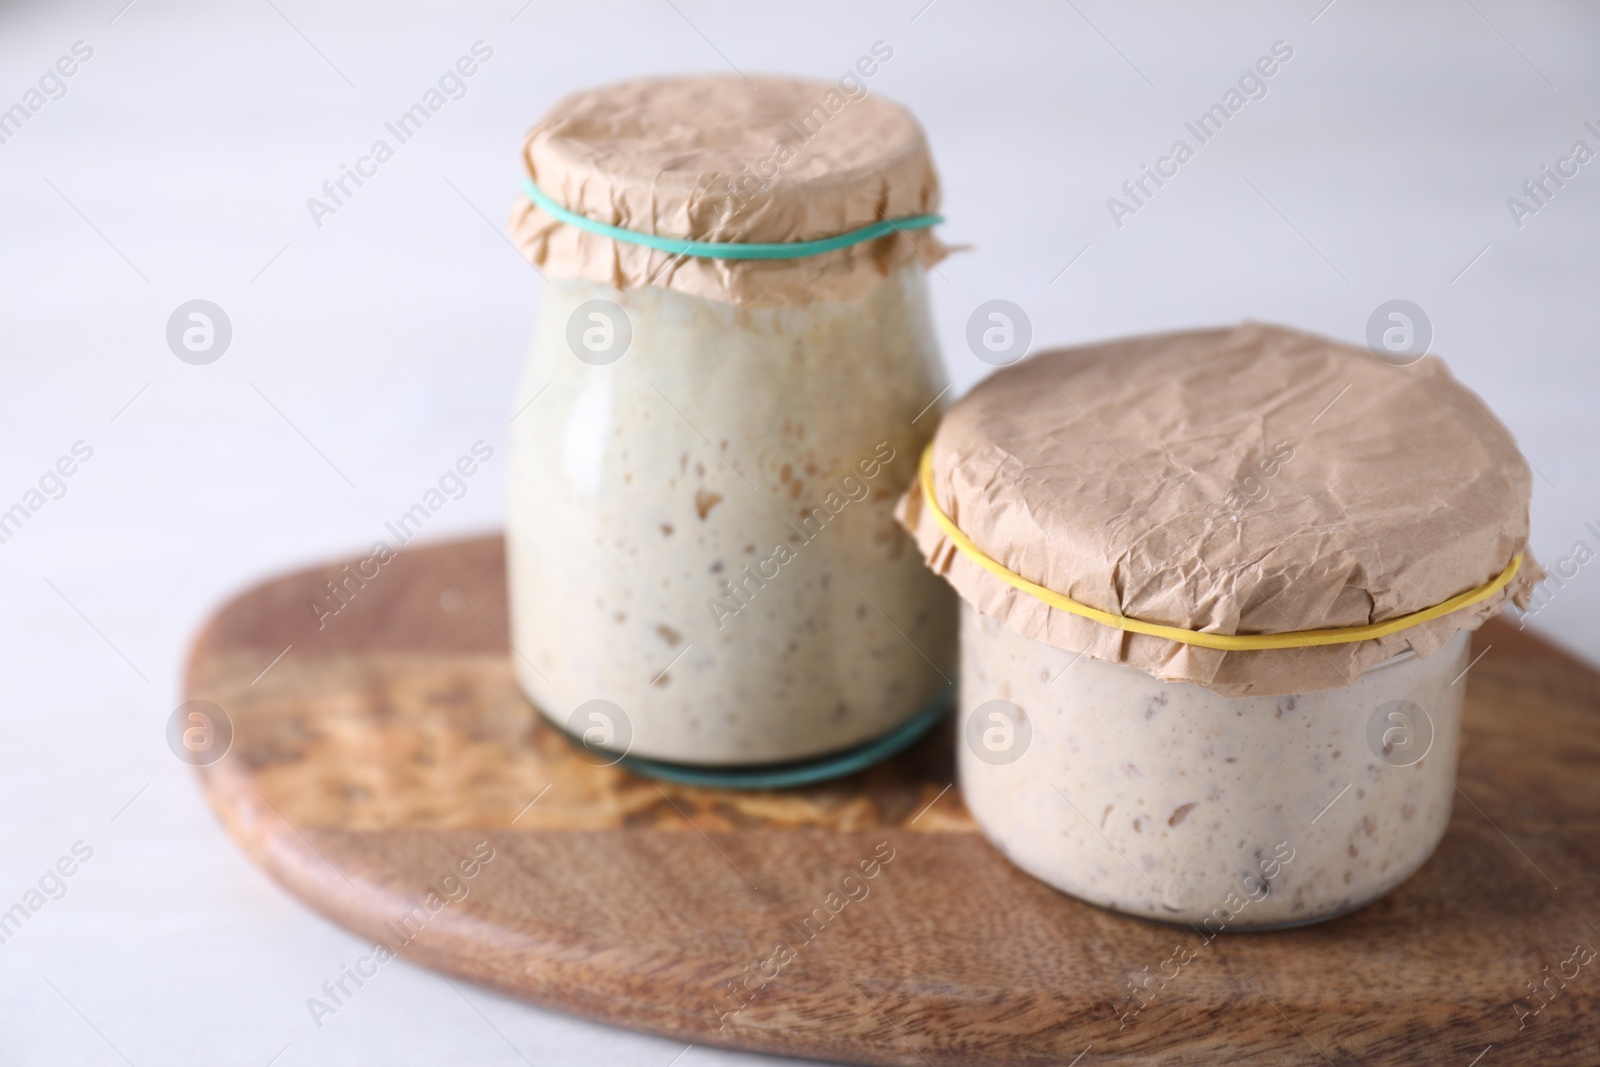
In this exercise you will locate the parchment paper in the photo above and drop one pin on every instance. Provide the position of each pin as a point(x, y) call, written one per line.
point(1246, 480)
point(720, 158)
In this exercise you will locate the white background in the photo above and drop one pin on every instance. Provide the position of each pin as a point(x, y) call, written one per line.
point(178, 166)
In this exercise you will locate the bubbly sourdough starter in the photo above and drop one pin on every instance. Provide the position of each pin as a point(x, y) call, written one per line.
point(629, 520)
point(1170, 802)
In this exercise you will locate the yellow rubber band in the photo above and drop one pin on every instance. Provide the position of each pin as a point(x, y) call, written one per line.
point(1223, 642)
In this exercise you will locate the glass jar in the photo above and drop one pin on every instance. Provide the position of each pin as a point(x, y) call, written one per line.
point(1192, 583)
point(700, 532)
point(1168, 801)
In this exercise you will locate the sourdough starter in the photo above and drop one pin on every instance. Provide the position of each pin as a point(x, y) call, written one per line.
point(701, 532)
point(1167, 801)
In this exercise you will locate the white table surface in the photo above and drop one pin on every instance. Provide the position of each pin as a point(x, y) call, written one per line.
point(369, 353)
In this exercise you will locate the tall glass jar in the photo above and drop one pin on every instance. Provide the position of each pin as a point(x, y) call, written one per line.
point(732, 377)
point(701, 528)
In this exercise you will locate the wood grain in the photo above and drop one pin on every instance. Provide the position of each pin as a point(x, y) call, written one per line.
point(384, 747)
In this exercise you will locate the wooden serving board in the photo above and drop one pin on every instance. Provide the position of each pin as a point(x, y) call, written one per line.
point(373, 760)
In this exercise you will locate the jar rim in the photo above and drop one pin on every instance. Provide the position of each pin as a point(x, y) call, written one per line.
point(1408, 654)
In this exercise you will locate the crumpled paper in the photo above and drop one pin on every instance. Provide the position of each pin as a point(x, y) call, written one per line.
point(723, 158)
point(1245, 480)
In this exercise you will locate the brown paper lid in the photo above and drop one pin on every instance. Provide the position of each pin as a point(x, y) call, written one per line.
point(729, 158)
point(1237, 481)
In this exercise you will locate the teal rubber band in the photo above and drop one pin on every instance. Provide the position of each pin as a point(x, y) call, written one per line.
point(679, 246)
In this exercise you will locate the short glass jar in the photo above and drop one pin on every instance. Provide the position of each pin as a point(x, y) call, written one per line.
point(701, 535)
point(1169, 801)
point(1213, 658)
